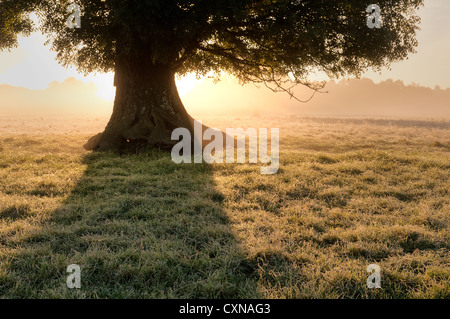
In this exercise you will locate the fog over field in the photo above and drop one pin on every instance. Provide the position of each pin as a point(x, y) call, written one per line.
point(346, 98)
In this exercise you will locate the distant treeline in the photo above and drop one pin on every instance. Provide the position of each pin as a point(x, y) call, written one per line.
point(72, 97)
point(354, 98)
point(346, 98)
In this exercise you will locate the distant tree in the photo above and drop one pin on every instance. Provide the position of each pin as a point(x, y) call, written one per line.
point(148, 42)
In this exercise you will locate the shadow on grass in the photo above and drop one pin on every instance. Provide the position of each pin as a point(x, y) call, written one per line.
point(139, 226)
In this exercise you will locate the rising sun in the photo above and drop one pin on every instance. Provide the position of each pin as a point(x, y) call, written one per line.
point(107, 91)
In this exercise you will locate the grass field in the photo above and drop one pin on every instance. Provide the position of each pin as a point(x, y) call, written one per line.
point(349, 193)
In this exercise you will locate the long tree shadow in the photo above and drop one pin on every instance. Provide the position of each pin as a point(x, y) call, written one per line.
point(139, 226)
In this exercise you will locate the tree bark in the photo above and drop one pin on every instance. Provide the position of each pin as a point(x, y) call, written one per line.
point(147, 108)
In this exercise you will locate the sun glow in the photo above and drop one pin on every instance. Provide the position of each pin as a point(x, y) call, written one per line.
point(105, 85)
point(107, 91)
point(186, 84)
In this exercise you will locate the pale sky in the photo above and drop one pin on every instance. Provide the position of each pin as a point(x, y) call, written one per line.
point(32, 65)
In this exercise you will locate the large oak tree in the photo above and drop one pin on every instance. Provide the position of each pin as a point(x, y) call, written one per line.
point(148, 42)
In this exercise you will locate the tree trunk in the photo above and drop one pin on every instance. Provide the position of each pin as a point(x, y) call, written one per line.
point(147, 108)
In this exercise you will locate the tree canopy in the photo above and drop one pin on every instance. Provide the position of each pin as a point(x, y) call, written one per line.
point(12, 22)
point(254, 40)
